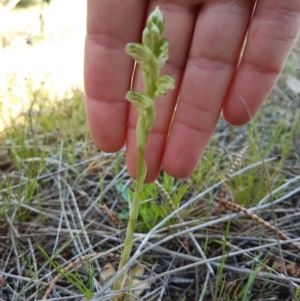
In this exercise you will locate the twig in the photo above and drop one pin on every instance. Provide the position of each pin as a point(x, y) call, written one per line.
point(239, 208)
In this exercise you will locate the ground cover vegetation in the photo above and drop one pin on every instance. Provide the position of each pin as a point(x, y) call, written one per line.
point(228, 232)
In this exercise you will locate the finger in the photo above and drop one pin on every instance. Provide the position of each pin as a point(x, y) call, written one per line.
point(107, 73)
point(272, 33)
point(219, 33)
point(179, 28)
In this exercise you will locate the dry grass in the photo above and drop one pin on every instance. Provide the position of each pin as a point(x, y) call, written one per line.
point(64, 210)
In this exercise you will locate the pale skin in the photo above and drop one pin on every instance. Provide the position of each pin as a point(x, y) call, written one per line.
point(205, 38)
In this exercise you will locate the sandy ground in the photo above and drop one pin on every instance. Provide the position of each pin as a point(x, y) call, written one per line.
point(40, 53)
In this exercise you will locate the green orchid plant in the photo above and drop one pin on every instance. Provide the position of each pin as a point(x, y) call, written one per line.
point(151, 55)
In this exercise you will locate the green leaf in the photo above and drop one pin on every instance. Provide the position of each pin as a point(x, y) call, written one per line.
point(126, 192)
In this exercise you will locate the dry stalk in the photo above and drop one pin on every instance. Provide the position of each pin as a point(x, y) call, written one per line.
point(228, 176)
point(169, 201)
point(112, 216)
point(238, 208)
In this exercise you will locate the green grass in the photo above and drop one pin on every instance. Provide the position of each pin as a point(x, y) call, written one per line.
point(73, 276)
point(56, 132)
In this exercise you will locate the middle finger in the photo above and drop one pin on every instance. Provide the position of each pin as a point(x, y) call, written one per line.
point(180, 22)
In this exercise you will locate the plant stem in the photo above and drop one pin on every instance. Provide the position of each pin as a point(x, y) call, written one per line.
point(151, 55)
point(133, 212)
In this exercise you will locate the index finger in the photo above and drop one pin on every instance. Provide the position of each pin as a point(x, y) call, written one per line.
point(107, 69)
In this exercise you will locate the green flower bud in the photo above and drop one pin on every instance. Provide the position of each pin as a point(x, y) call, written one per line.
point(155, 38)
point(164, 45)
point(146, 38)
point(140, 53)
point(164, 83)
point(139, 100)
point(162, 58)
point(156, 18)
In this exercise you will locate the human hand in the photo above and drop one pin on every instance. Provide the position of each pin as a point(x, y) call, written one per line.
point(206, 38)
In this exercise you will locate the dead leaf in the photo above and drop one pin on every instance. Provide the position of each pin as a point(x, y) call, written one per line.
point(137, 285)
point(137, 271)
point(2, 282)
point(108, 271)
point(277, 266)
point(291, 268)
point(99, 167)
